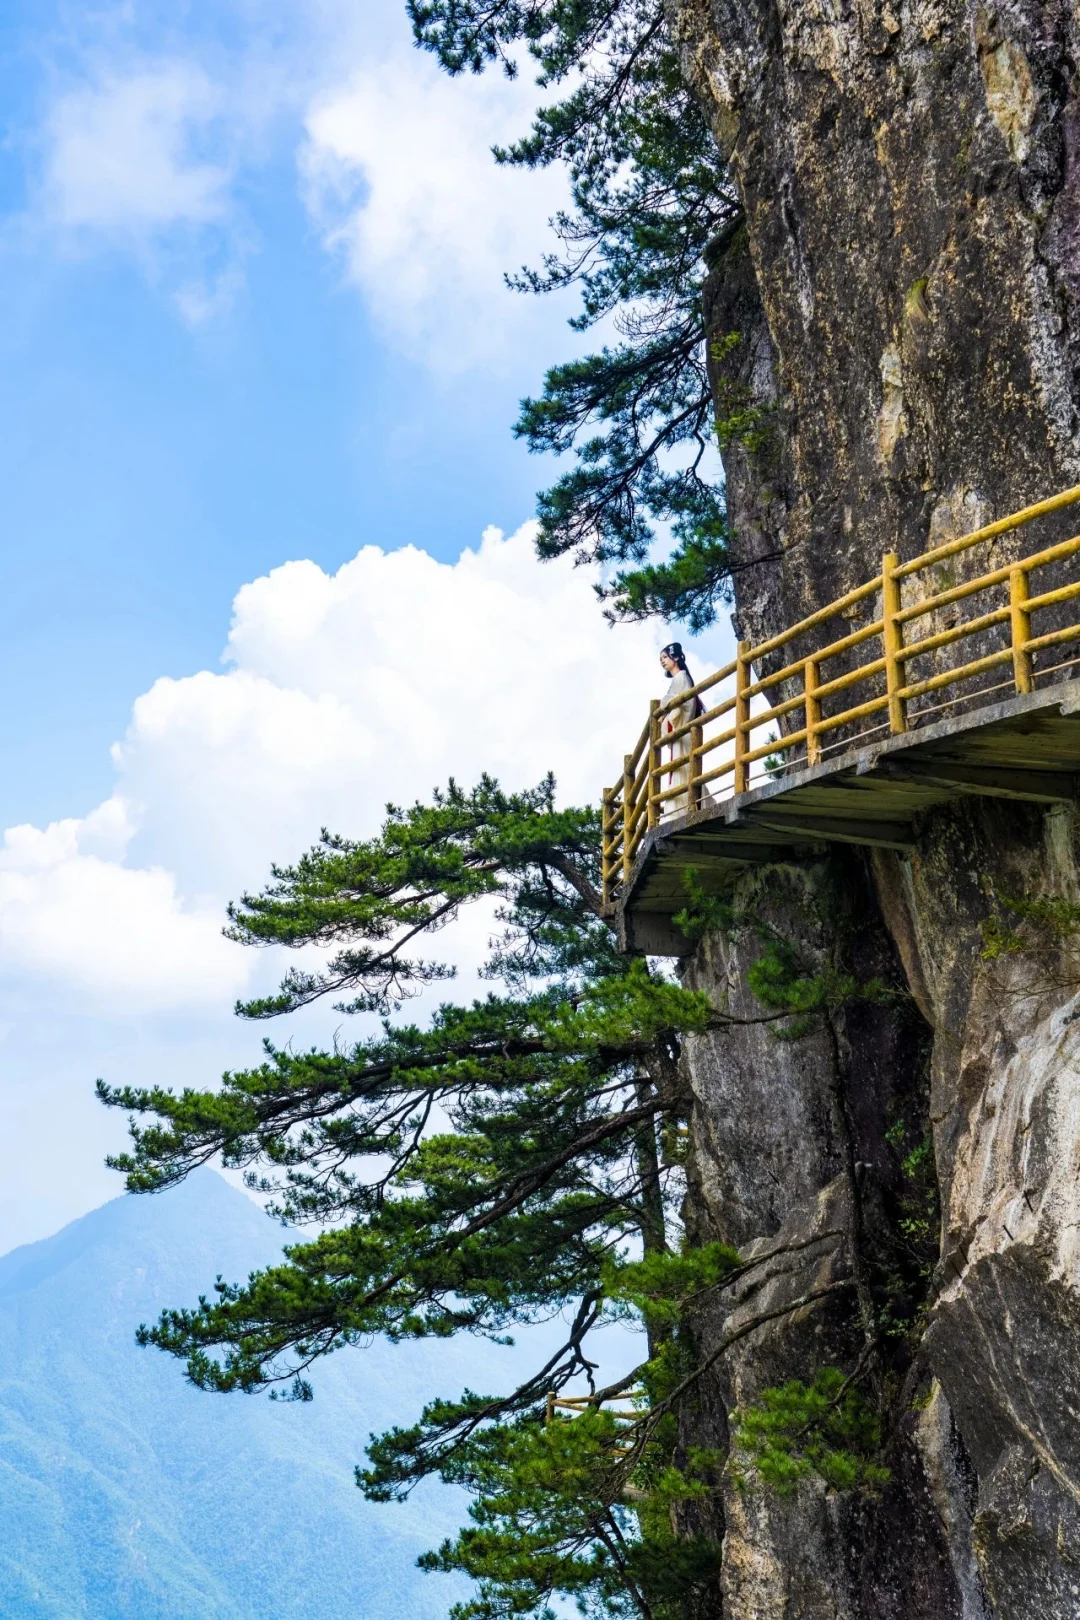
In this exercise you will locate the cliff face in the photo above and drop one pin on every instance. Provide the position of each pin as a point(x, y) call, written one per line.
point(906, 289)
point(912, 219)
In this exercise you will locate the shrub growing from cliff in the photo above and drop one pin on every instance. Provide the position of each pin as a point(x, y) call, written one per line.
point(825, 1427)
point(799, 941)
point(1042, 931)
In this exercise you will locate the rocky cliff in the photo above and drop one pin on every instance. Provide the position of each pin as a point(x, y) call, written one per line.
point(904, 288)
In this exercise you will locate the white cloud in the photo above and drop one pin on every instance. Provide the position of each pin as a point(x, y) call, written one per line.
point(154, 154)
point(203, 298)
point(398, 174)
point(126, 154)
point(345, 691)
point(376, 683)
point(144, 157)
point(342, 691)
point(72, 913)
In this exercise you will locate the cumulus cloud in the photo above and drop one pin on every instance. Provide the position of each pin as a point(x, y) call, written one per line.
point(374, 684)
point(341, 692)
point(398, 173)
point(73, 913)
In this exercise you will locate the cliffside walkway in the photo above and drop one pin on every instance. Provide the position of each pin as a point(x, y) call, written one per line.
point(735, 787)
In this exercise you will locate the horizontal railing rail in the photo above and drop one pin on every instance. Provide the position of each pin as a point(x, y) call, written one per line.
point(683, 762)
point(627, 1409)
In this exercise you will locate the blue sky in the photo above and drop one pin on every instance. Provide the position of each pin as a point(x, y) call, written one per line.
point(254, 323)
point(149, 464)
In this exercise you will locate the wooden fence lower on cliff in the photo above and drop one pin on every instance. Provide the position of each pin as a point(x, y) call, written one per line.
point(899, 679)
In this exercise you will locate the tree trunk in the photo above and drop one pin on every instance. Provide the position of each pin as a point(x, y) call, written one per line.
point(905, 290)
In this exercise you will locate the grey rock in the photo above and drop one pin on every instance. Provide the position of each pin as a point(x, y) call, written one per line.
point(905, 287)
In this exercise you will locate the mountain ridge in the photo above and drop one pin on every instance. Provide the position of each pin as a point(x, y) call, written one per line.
point(125, 1494)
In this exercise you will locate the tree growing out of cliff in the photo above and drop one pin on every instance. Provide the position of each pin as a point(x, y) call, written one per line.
point(650, 202)
point(517, 1160)
point(490, 1170)
point(520, 1159)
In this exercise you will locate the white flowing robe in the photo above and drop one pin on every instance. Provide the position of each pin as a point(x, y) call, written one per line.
point(678, 751)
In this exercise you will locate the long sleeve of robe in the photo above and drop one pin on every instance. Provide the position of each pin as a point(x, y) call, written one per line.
point(678, 751)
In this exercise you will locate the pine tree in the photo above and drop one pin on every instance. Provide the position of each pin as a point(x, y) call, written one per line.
point(650, 196)
point(513, 1160)
point(518, 1159)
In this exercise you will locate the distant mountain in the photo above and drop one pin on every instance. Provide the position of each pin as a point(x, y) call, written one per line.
point(127, 1495)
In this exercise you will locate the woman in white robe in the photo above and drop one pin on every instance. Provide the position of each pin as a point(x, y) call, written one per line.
point(673, 662)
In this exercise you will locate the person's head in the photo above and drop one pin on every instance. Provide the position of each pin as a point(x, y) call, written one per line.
point(672, 658)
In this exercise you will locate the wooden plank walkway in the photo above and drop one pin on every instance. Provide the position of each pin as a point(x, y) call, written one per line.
point(1026, 748)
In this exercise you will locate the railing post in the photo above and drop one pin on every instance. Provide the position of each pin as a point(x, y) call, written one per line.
point(742, 716)
point(607, 828)
point(627, 815)
point(893, 638)
point(652, 785)
point(1020, 623)
point(811, 682)
point(697, 739)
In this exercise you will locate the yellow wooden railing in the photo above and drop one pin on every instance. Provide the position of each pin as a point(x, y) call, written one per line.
point(678, 771)
point(626, 1409)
